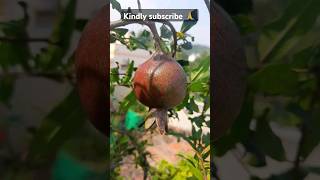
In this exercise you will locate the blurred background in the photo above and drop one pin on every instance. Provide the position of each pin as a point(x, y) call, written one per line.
point(276, 135)
point(40, 114)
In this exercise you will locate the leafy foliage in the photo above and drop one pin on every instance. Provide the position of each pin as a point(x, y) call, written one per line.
point(282, 87)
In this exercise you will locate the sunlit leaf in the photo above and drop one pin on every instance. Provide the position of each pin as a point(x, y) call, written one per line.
point(115, 5)
point(283, 34)
point(165, 32)
point(186, 25)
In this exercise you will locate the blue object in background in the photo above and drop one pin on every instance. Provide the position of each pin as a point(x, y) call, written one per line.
point(68, 168)
point(132, 120)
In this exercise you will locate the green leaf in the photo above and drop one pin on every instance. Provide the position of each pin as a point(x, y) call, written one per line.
point(268, 142)
point(254, 154)
point(312, 134)
point(283, 34)
point(61, 36)
point(6, 88)
point(80, 24)
point(193, 105)
point(115, 5)
point(56, 128)
point(129, 73)
point(137, 43)
point(304, 58)
point(187, 45)
point(186, 25)
point(241, 126)
point(202, 70)
point(183, 62)
point(165, 32)
point(315, 170)
point(112, 38)
point(275, 79)
point(115, 75)
point(244, 23)
point(198, 86)
point(14, 52)
point(129, 101)
point(121, 31)
point(223, 145)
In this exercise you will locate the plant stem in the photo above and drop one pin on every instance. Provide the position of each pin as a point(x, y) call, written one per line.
point(153, 29)
point(207, 2)
point(32, 40)
point(296, 163)
point(139, 5)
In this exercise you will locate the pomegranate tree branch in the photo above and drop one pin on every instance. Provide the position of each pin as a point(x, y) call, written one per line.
point(207, 2)
point(153, 29)
point(139, 5)
point(8, 39)
point(151, 26)
point(174, 32)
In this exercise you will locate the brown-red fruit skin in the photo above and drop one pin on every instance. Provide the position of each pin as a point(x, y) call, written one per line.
point(92, 68)
point(229, 72)
point(160, 82)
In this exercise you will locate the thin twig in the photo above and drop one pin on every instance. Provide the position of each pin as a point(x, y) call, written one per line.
point(32, 40)
point(139, 5)
point(297, 160)
point(174, 32)
point(153, 29)
point(304, 129)
point(207, 2)
point(145, 166)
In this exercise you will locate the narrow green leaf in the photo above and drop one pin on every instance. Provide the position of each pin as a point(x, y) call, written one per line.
point(187, 25)
point(315, 170)
point(241, 126)
point(244, 23)
point(80, 24)
point(183, 62)
point(283, 34)
point(56, 128)
point(115, 5)
point(121, 31)
point(165, 32)
point(312, 134)
point(61, 36)
point(269, 143)
point(275, 79)
point(129, 73)
point(6, 88)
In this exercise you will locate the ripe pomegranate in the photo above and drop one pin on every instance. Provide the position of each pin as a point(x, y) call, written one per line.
point(160, 83)
point(229, 72)
point(92, 66)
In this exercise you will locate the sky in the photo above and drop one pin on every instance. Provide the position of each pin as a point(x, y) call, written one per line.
point(201, 31)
